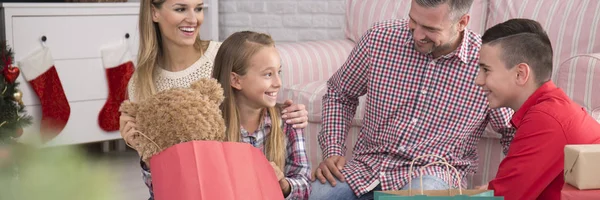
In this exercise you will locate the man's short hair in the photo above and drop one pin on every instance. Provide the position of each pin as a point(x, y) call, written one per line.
point(458, 8)
point(523, 41)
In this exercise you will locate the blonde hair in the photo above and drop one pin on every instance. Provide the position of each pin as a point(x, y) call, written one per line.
point(151, 50)
point(233, 56)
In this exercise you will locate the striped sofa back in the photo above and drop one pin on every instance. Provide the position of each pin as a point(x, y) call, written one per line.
point(306, 62)
point(361, 14)
point(571, 24)
point(579, 77)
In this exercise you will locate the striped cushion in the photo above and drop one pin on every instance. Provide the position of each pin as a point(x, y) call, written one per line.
point(313, 149)
point(579, 77)
point(490, 156)
point(478, 12)
point(311, 95)
point(361, 14)
point(305, 62)
point(571, 24)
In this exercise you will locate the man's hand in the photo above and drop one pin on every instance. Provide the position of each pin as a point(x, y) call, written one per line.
point(329, 168)
point(295, 114)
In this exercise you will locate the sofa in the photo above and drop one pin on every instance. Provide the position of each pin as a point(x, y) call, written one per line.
point(571, 25)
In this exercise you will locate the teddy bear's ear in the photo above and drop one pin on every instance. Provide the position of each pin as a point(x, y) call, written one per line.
point(129, 108)
point(211, 88)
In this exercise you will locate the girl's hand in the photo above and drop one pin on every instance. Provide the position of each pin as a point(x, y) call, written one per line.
point(283, 183)
point(295, 114)
point(278, 171)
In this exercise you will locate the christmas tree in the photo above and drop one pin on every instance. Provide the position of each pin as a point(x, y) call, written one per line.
point(12, 110)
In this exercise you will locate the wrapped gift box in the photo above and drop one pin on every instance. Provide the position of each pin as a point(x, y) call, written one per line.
point(582, 166)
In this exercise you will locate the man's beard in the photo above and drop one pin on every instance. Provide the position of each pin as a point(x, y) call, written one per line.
point(434, 47)
point(437, 48)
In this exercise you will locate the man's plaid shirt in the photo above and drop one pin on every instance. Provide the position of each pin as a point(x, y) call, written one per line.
point(415, 105)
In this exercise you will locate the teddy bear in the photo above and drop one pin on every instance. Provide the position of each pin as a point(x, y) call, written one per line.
point(176, 116)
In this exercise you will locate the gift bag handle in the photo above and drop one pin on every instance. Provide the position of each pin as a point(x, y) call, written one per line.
point(134, 133)
point(410, 170)
point(448, 173)
point(444, 162)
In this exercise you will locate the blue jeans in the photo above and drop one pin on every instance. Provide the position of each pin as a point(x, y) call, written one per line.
point(342, 190)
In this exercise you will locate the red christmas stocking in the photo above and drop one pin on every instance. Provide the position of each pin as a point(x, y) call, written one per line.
point(119, 68)
point(38, 69)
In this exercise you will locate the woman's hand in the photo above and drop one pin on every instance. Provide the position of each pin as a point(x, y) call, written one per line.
point(295, 114)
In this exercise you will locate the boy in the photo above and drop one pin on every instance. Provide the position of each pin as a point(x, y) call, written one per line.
point(515, 71)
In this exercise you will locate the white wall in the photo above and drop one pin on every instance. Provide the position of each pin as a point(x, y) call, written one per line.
point(285, 20)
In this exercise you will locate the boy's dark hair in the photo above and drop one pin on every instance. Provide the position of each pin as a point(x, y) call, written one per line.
point(523, 41)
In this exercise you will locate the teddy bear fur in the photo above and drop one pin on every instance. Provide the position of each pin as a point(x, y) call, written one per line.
point(176, 116)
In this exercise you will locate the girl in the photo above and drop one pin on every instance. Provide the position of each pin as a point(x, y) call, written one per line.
point(247, 65)
point(171, 55)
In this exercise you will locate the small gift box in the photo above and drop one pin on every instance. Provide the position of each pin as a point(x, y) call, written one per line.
point(581, 166)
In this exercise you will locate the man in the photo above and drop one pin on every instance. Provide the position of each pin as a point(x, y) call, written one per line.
point(516, 67)
point(421, 99)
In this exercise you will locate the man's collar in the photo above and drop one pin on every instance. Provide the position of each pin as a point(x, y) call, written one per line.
point(463, 48)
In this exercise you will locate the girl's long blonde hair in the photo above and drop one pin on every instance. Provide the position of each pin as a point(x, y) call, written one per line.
point(233, 56)
point(150, 53)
